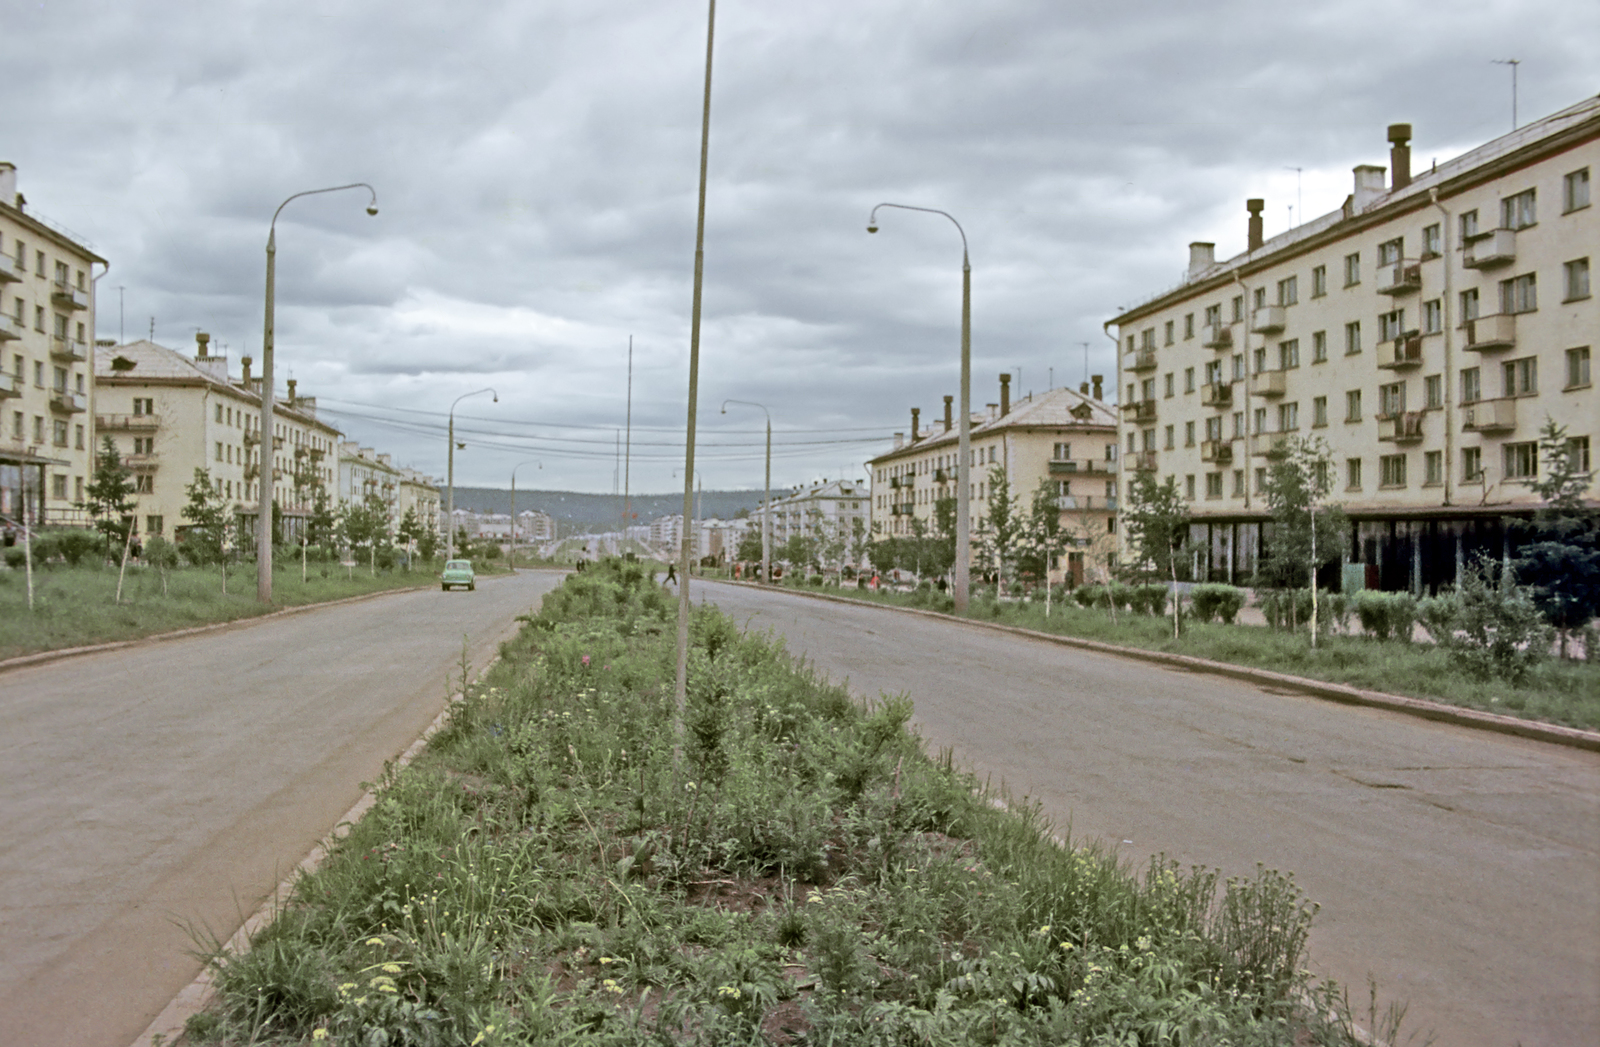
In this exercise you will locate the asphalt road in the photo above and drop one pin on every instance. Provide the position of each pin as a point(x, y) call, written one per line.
point(1459, 868)
point(171, 785)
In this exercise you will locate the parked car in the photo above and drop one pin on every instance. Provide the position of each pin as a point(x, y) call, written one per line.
point(458, 572)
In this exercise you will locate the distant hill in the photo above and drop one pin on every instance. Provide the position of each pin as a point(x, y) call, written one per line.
point(582, 511)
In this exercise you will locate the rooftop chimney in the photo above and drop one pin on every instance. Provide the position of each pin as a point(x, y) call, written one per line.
point(1254, 206)
point(899, 440)
point(245, 363)
point(1399, 156)
point(915, 412)
point(1005, 395)
point(1099, 393)
point(1202, 256)
point(1083, 387)
point(8, 183)
point(948, 421)
point(202, 340)
point(291, 392)
point(1369, 186)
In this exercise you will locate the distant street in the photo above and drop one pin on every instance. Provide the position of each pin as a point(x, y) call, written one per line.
point(1460, 868)
point(175, 783)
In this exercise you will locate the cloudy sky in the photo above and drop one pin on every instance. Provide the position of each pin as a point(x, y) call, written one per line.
point(536, 166)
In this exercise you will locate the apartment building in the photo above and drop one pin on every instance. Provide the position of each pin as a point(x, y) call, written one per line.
point(1065, 436)
point(1425, 330)
point(419, 494)
point(46, 364)
point(364, 472)
point(170, 414)
point(830, 511)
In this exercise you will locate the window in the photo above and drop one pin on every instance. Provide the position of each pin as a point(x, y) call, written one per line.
point(1432, 241)
point(1188, 379)
point(38, 263)
point(1167, 333)
point(1521, 376)
point(77, 437)
point(153, 524)
point(1288, 417)
point(1522, 460)
point(1391, 399)
point(58, 432)
point(1188, 487)
point(1520, 294)
point(1147, 338)
point(219, 412)
point(38, 318)
point(1433, 316)
point(1214, 427)
point(1149, 439)
point(16, 425)
point(1289, 354)
point(1238, 483)
point(1170, 430)
point(1261, 481)
point(1238, 308)
point(145, 483)
point(1260, 295)
point(38, 375)
point(1130, 343)
point(1319, 347)
point(1062, 453)
point(1238, 367)
point(1391, 325)
point(1319, 412)
point(1188, 434)
point(1391, 251)
point(1432, 468)
point(38, 429)
point(1213, 372)
point(61, 379)
point(1469, 304)
point(1261, 420)
point(143, 405)
point(22, 256)
point(1289, 290)
point(1391, 470)
point(1518, 212)
point(1578, 453)
point(1352, 405)
point(1578, 367)
point(58, 485)
point(1352, 269)
point(1260, 359)
point(1471, 465)
point(1169, 387)
point(1469, 225)
point(1213, 485)
point(1148, 388)
point(1433, 391)
point(1471, 385)
point(219, 450)
point(1352, 338)
point(1575, 280)
point(1319, 281)
point(1188, 325)
point(1575, 190)
point(1238, 424)
point(1213, 315)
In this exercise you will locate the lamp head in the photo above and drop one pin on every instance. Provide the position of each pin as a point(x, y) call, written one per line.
point(872, 227)
point(461, 446)
point(372, 209)
point(494, 397)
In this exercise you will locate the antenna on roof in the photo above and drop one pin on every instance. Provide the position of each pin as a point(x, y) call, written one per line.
point(1299, 204)
point(1513, 63)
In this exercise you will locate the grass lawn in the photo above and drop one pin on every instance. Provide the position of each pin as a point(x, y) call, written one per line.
point(551, 871)
point(1563, 692)
point(74, 606)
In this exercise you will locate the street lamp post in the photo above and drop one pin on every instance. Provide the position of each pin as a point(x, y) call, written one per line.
point(450, 512)
point(514, 468)
point(264, 446)
point(963, 564)
point(766, 504)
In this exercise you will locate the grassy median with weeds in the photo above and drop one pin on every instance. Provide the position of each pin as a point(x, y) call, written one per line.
point(554, 869)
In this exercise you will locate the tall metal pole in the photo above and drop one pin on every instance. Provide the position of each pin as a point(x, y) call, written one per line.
point(264, 446)
point(681, 683)
point(963, 565)
point(514, 469)
point(766, 512)
point(450, 510)
point(627, 455)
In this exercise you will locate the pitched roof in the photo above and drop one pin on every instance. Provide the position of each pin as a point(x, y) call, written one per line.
point(1057, 409)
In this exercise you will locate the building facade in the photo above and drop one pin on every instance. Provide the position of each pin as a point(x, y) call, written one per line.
point(1425, 331)
point(837, 514)
point(1065, 437)
point(47, 352)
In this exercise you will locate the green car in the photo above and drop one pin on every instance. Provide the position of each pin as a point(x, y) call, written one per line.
point(458, 572)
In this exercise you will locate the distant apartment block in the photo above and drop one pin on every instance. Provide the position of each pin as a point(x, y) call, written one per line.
point(1065, 437)
point(1425, 330)
point(46, 364)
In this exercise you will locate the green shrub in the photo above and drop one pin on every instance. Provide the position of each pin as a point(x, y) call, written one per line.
point(1497, 628)
point(1387, 616)
point(1090, 595)
point(1440, 616)
point(1213, 601)
point(1286, 608)
point(17, 558)
point(1150, 599)
point(77, 545)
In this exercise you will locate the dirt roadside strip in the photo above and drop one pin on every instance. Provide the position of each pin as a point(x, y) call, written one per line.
point(1572, 737)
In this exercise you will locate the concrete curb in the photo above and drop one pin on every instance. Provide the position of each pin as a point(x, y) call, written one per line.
point(1556, 734)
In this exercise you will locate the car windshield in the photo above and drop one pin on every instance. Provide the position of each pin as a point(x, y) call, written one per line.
point(458, 565)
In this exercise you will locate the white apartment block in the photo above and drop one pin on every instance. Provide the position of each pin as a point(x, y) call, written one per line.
point(1064, 436)
point(170, 414)
point(364, 473)
point(47, 405)
point(830, 511)
point(419, 494)
point(1425, 330)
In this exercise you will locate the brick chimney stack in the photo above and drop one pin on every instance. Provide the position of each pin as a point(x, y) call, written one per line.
point(1099, 392)
point(948, 420)
point(245, 362)
point(1005, 395)
point(1399, 156)
point(915, 432)
point(202, 342)
point(1255, 205)
point(291, 392)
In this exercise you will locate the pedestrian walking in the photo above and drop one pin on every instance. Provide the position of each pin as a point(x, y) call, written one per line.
point(672, 573)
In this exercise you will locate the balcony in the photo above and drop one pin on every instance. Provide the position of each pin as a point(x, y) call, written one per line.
point(1219, 451)
point(1143, 461)
point(1080, 466)
point(9, 386)
point(127, 422)
point(254, 437)
point(66, 350)
point(1267, 319)
point(1402, 354)
point(1216, 394)
point(1143, 360)
point(1140, 410)
point(1217, 336)
point(10, 328)
point(1269, 443)
point(1488, 252)
point(1086, 502)
point(1490, 416)
point(1400, 278)
point(68, 403)
point(69, 297)
point(1267, 383)
point(944, 476)
point(1405, 428)
point(1490, 334)
point(8, 270)
point(142, 463)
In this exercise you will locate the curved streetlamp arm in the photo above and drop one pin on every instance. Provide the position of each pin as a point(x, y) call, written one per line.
point(450, 472)
point(872, 222)
point(766, 498)
point(747, 403)
point(372, 208)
